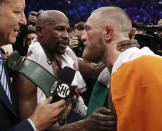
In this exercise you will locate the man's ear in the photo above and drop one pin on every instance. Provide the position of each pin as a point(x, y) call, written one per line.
point(109, 32)
point(132, 33)
point(39, 30)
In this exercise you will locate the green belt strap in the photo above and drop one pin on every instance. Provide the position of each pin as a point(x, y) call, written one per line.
point(33, 71)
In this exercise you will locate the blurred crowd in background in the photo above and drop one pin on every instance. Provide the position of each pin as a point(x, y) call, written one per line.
point(147, 11)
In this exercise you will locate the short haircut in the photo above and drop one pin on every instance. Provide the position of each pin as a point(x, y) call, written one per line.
point(79, 26)
point(71, 29)
point(29, 31)
point(115, 16)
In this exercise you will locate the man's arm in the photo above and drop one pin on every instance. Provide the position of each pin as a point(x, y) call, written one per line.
point(22, 126)
point(27, 95)
point(90, 70)
point(97, 121)
point(42, 115)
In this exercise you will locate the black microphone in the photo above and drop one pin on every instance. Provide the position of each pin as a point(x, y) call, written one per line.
point(62, 88)
point(67, 75)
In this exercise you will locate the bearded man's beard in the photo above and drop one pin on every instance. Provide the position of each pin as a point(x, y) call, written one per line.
point(92, 56)
point(96, 54)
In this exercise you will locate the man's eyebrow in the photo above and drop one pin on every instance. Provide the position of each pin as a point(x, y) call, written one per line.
point(49, 23)
point(19, 7)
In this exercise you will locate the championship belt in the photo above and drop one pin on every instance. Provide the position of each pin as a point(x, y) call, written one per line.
point(44, 80)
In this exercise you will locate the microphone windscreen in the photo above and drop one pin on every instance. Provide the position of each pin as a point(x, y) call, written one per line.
point(62, 89)
point(67, 75)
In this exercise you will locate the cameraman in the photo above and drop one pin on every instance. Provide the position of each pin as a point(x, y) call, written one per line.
point(75, 42)
point(19, 44)
point(151, 36)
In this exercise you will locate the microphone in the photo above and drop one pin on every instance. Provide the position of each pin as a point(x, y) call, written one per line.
point(62, 88)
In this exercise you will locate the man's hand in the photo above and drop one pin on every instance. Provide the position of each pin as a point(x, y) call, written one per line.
point(73, 42)
point(100, 120)
point(32, 18)
point(46, 113)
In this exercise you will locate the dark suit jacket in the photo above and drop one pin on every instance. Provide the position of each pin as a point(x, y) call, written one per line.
point(8, 115)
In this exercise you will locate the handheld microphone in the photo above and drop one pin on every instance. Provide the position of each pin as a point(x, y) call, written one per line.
point(62, 88)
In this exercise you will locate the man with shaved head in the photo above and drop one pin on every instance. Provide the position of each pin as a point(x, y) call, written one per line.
point(45, 114)
point(136, 84)
point(57, 41)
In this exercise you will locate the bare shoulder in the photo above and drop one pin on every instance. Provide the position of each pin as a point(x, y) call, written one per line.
point(23, 85)
point(26, 94)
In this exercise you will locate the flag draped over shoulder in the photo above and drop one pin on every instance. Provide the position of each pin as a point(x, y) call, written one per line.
point(100, 91)
point(136, 87)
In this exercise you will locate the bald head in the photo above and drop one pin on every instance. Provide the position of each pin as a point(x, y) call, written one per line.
point(52, 32)
point(51, 16)
point(114, 16)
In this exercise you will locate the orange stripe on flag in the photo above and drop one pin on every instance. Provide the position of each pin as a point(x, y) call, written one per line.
point(137, 94)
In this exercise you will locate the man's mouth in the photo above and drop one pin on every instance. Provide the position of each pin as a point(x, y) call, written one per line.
point(63, 45)
point(16, 31)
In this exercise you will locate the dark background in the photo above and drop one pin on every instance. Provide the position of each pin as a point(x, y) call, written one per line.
point(146, 11)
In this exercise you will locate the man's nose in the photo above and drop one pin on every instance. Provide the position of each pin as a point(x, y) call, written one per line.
point(23, 20)
point(84, 36)
point(65, 35)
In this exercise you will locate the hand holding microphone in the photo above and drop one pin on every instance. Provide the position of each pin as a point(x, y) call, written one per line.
point(46, 114)
point(62, 89)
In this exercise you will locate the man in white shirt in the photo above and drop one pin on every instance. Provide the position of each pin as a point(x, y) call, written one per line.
point(52, 27)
